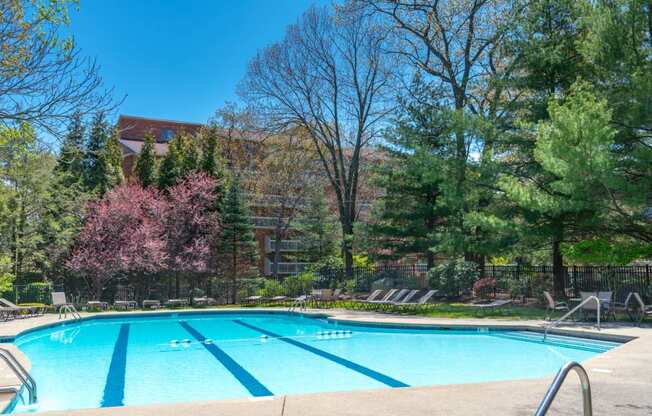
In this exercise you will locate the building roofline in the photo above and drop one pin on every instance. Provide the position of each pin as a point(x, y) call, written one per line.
point(161, 120)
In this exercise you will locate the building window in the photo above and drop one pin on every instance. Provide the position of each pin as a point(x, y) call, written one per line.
point(167, 134)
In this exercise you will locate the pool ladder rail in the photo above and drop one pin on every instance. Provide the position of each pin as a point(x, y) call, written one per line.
point(21, 373)
point(69, 309)
point(572, 311)
point(545, 404)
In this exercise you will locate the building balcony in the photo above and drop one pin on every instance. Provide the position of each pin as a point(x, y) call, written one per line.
point(285, 268)
point(285, 245)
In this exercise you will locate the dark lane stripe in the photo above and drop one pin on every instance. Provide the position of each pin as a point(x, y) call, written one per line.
point(114, 389)
point(391, 382)
point(255, 387)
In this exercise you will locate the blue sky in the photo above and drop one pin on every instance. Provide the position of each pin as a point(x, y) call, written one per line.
point(178, 59)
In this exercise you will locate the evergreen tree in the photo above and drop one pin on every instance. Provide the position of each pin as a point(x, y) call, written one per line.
point(97, 139)
point(211, 162)
point(70, 164)
point(145, 168)
point(317, 229)
point(190, 153)
point(170, 167)
point(237, 244)
point(109, 172)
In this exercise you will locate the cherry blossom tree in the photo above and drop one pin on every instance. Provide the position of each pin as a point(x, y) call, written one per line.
point(123, 234)
point(192, 225)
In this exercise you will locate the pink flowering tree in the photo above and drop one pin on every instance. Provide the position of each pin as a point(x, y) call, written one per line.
point(192, 226)
point(123, 235)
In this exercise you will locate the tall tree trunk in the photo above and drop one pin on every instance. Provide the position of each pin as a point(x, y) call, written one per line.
point(559, 281)
point(347, 249)
point(278, 236)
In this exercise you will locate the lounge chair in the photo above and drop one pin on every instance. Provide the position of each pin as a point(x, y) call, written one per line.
point(389, 300)
point(60, 303)
point(397, 303)
point(253, 299)
point(495, 304)
point(97, 304)
point(151, 303)
point(177, 302)
point(372, 296)
point(552, 306)
point(125, 304)
point(204, 301)
point(387, 296)
point(8, 313)
point(31, 310)
point(638, 309)
point(422, 300)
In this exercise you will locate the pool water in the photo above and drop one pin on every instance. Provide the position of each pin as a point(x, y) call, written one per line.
point(211, 356)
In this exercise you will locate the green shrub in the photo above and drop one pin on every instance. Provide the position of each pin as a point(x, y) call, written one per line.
point(271, 288)
point(540, 282)
point(454, 277)
point(299, 284)
point(517, 287)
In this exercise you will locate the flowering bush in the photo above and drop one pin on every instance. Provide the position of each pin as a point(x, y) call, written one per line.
point(485, 288)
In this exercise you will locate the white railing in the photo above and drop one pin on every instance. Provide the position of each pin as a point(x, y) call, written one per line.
point(285, 267)
point(285, 245)
point(587, 406)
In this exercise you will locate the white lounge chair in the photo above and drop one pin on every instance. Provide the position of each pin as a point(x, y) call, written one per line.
point(495, 304)
point(151, 303)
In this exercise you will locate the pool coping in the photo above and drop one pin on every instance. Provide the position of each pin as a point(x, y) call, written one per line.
point(365, 319)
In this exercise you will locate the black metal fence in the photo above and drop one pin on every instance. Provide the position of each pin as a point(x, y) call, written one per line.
point(521, 280)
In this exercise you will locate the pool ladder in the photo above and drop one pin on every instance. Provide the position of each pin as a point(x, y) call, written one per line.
point(572, 311)
point(22, 374)
point(556, 385)
point(69, 309)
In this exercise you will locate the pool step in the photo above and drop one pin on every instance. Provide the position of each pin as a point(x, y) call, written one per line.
point(559, 341)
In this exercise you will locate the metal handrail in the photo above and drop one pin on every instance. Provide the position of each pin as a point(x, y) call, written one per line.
point(572, 311)
point(559, 380)
point(20, 372)
point(69, 309)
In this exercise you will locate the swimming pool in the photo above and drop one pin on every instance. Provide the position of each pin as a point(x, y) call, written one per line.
point(166, 358)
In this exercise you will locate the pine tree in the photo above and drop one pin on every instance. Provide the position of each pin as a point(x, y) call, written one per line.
point(97, 140)
point(70, 165)
point(145, 168)
point(317, 229)
point(170, 168)
point(211, 162)
point(190, 153)
point(110, 173)
point(237, 244)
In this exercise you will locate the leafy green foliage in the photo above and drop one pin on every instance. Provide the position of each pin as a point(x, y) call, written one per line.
point(454, 277)
point(603, 251)
point(317, 229)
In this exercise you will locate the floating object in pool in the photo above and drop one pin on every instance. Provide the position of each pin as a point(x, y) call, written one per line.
point(186, 341)
point(208, 341)
point(263, 338)
point(174, 343)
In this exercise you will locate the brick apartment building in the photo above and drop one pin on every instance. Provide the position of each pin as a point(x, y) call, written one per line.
point(132, 133)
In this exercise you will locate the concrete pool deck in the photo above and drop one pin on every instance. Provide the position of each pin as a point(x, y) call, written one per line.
point(621, 380)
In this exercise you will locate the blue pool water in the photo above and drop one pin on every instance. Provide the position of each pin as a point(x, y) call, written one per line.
point(134, 360)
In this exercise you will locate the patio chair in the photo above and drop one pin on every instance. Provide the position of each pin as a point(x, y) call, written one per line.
point(253, 299)
point(8, 313)
point(639, 309)
point(31, 310)
point(60, 303)
point(606, 304)
point(552, 305)
point(590, 308)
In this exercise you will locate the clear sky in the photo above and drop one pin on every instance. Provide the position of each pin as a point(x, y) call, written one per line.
point(178, 59)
